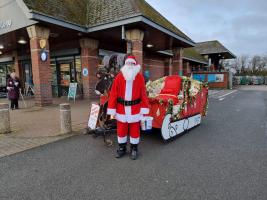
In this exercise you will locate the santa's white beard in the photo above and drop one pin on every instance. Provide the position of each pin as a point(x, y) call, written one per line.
point(129, 72)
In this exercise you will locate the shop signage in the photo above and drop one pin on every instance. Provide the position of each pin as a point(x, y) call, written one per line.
point(215, 78)
point(199, 77)
point(43, 56)
point(42, 43)
point(5, 24)
point(92, 122)
point(85, 72)
point(211, 78)
point(72, 90)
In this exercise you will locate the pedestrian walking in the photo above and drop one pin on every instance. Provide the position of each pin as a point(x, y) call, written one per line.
point(13, 88)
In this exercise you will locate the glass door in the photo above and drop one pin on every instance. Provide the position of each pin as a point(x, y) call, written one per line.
point(26, 77)
point(5, 70)
point(3, 77)
point(66, 76)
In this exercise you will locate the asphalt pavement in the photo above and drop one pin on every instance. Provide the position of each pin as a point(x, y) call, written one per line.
point(224, 158)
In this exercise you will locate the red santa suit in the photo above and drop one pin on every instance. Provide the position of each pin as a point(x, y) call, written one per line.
point(128, 101)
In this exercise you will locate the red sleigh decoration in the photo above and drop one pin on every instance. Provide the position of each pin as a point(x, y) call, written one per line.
point(178, 106)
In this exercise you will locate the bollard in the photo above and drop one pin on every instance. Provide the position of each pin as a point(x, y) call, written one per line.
point(4, 118)
point(65, 118)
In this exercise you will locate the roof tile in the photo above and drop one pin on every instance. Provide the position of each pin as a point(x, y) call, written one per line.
point(92, 13)
point(212, 47)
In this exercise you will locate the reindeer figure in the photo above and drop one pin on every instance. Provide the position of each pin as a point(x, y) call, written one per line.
point(102, 88)
point(106, 73)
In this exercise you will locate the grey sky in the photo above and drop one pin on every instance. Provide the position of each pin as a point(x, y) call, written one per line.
point(241, 25)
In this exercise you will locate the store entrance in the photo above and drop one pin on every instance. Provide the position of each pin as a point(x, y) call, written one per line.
point(65, 70)
point(5, 70)
point(66, 76)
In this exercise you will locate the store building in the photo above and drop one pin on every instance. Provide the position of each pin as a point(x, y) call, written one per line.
point(51, 43)
point(214, 73)
point(214, 52)
point(193, 61)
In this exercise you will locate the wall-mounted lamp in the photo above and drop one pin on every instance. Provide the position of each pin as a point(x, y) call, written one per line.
point(1, 52)
point(1, 46)
point(149, 45)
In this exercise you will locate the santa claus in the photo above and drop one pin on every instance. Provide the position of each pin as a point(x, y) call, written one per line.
point(128, 103)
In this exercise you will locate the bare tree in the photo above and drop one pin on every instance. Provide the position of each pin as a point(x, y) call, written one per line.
point(240, 63)
point(263, 64)
point(255, 62)
point(243, 59)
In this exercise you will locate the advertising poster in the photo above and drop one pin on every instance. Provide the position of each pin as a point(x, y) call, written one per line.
point(219, 77)
point(199, 77)
point(72, 90)
point(92, 122)
point(215, 78)
point(211, 78)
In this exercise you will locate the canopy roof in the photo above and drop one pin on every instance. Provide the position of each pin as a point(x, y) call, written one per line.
point(94, 13)
point(214, 47)
point(192, 54)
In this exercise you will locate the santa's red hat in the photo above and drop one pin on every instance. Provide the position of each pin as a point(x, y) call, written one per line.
point(131, 59)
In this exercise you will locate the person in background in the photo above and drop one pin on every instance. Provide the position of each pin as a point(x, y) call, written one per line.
point(147, 75)
point(13, 88)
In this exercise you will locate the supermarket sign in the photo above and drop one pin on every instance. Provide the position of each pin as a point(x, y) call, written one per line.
point(5, 24)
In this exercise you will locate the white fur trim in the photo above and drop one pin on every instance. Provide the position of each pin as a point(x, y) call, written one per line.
point(134, 140)
point(128, 110)
point(144, 111)
point(122, 140)
point(128, 90)
point(128, 96)
point(128, 118)
point(111, 111)
point(130, 60)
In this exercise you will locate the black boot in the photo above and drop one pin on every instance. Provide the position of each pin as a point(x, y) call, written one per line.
point(134, 151)
point(121, 151)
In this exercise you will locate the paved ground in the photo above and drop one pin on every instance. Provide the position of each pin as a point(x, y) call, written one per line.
point(35, 126)
point(11, 144)
point(224, 158)
point(23, 121)
point(252, 87)
point(27, 134)
point(220, 94)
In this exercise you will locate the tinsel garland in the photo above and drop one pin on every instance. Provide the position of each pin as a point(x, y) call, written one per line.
point(188, 95)
point(205, 110)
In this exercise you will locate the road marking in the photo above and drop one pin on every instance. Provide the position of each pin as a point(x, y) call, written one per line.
point(227, 94)
point(221, 99)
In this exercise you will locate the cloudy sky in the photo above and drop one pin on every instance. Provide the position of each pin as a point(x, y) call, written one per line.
point(241, 25)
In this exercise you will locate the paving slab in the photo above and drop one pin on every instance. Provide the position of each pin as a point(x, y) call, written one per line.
point(33, 126)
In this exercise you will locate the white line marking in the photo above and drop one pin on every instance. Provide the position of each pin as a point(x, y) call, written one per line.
point(227, 94)
point(221, 99)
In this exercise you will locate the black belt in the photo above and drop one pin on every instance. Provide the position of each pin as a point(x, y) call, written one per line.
point(128, 103)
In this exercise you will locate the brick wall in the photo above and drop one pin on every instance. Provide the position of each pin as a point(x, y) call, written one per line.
point(221, 85)
point(157, 65)
point(41, 75)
